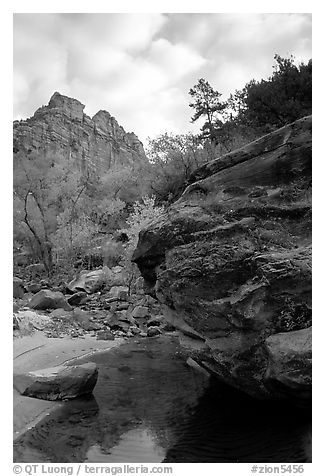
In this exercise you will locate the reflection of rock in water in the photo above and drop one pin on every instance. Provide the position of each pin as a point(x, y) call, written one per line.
point(231, 427)
point(64, 436)
point(135, 446)
point(141, 383)
point(149, 404)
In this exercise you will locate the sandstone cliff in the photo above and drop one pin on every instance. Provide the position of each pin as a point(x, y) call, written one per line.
point(231, 261)
point(62, 128)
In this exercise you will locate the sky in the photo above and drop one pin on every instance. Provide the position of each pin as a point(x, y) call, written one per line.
point(140, 67)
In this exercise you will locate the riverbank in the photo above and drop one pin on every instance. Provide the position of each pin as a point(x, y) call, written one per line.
point(38, 351)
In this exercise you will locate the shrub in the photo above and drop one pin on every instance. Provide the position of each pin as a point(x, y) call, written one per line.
point(143, 213)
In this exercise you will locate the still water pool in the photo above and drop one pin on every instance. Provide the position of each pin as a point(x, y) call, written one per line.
point(150, 406)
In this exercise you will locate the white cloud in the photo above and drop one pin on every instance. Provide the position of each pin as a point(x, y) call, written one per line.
point(141, 66)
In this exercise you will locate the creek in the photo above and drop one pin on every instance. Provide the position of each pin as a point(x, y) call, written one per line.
point(150, 406)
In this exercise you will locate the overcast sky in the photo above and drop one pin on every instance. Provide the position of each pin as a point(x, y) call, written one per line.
point(139, 67)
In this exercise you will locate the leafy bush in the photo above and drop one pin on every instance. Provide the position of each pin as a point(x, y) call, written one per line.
point(174, 158)
point(73, 238)
point(143, 213)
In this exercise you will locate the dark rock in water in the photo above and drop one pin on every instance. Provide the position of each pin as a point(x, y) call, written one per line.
point(58, 383)
point(77, 298)
point(18, 288)
point(153, 331)
point(290, 363)
point(46, 299)
point(231, 259)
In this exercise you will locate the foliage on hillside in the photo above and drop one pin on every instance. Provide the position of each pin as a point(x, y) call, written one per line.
point(63, 213)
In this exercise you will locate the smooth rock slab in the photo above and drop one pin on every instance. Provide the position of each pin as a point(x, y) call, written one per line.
point(58, 383)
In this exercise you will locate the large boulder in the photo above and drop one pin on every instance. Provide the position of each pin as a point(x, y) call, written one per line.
point(231, 259)
point(58, 383)
point(46, 299)
point(87, 281)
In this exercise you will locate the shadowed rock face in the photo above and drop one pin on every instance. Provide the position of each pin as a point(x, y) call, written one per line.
point(62, 128)
point(231, 261)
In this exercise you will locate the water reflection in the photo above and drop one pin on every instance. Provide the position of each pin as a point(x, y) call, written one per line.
point(150, 406)
point(135, 446)
point(229, 427)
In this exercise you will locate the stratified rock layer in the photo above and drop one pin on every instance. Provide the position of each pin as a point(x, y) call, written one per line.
point(231, 261)
point(61, 128)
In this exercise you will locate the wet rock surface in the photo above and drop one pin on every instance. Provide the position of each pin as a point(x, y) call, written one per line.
point(58, 383)
point(231, 260)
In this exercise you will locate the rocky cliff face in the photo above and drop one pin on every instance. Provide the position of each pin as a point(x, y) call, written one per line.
point(62, 128)
point(231, 262)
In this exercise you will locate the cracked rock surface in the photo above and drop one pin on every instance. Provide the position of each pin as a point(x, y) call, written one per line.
point(231, 262)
